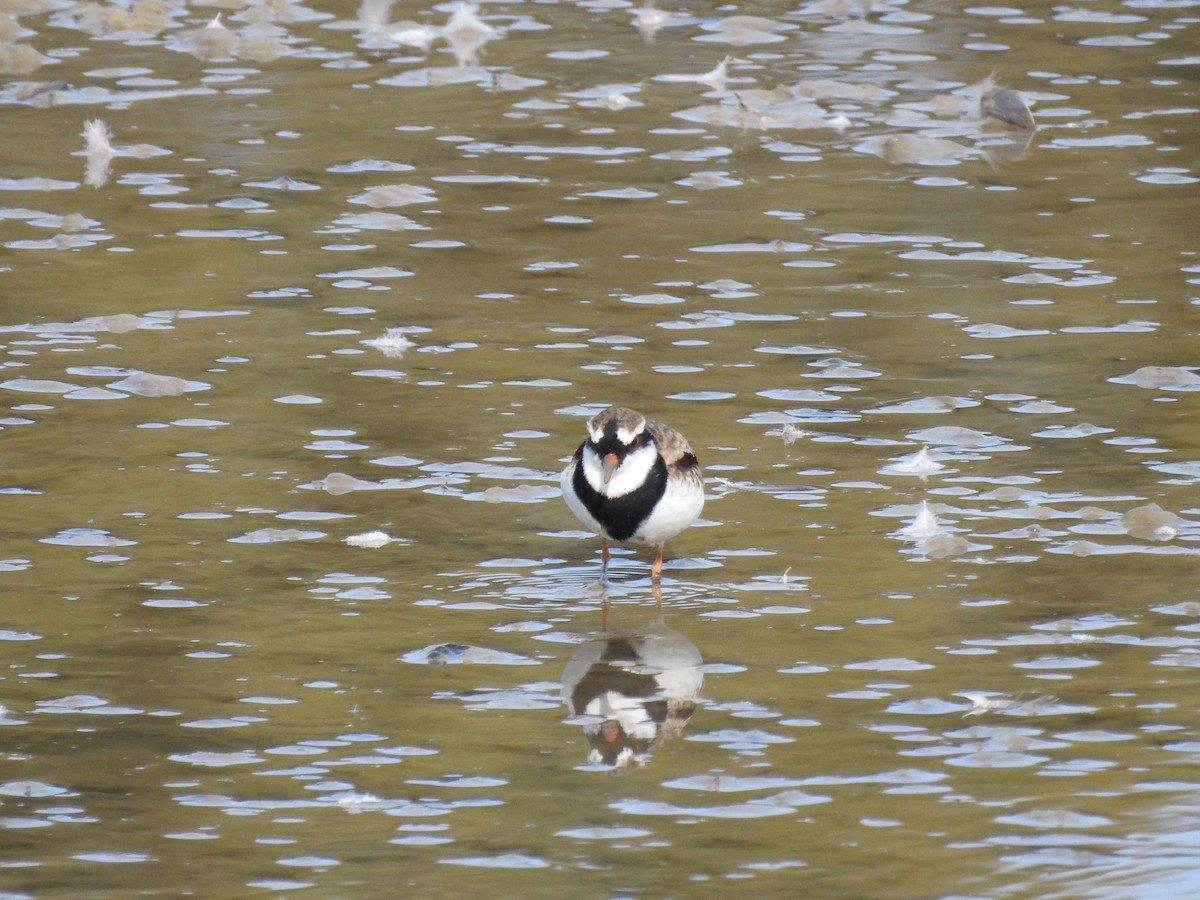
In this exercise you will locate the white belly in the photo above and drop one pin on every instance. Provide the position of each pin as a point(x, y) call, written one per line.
point(678, 508)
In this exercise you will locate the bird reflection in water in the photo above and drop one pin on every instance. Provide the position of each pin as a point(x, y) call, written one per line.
point(632, 689)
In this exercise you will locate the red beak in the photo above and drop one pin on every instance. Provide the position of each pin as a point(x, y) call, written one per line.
point(610, 462)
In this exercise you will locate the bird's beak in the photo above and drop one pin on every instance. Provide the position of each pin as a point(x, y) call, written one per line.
point(609, 463)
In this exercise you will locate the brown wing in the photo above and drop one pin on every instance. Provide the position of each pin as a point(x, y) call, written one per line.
point(677, 452)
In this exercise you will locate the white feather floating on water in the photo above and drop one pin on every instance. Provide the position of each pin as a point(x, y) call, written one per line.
point(465, 34)
point(920, 463)
point(98, 151)
point(649, 20)
point(929, 537)
point(924, 525)
point(715, 77)
point(412, 34)
point(790, 433)
point(392, 344)
point(371, 540)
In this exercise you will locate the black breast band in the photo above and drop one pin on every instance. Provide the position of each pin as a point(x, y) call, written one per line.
point(621, 516)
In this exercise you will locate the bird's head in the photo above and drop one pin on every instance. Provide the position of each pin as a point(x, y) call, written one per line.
point(614, 433)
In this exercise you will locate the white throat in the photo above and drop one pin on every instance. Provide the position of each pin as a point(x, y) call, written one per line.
point(630, 475)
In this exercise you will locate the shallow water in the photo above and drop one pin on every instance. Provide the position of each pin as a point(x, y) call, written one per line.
point(291, 362)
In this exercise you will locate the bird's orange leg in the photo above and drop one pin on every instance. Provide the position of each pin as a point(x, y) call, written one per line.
point(656, 569)
point(605, 556)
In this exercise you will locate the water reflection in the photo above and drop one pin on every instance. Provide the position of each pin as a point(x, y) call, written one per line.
point(632, 690)
point(1006, 124)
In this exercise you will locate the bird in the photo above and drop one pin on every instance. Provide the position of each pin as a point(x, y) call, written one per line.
point(633, 479)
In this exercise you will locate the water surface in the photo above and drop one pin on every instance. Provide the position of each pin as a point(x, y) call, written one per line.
point(297, 337)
